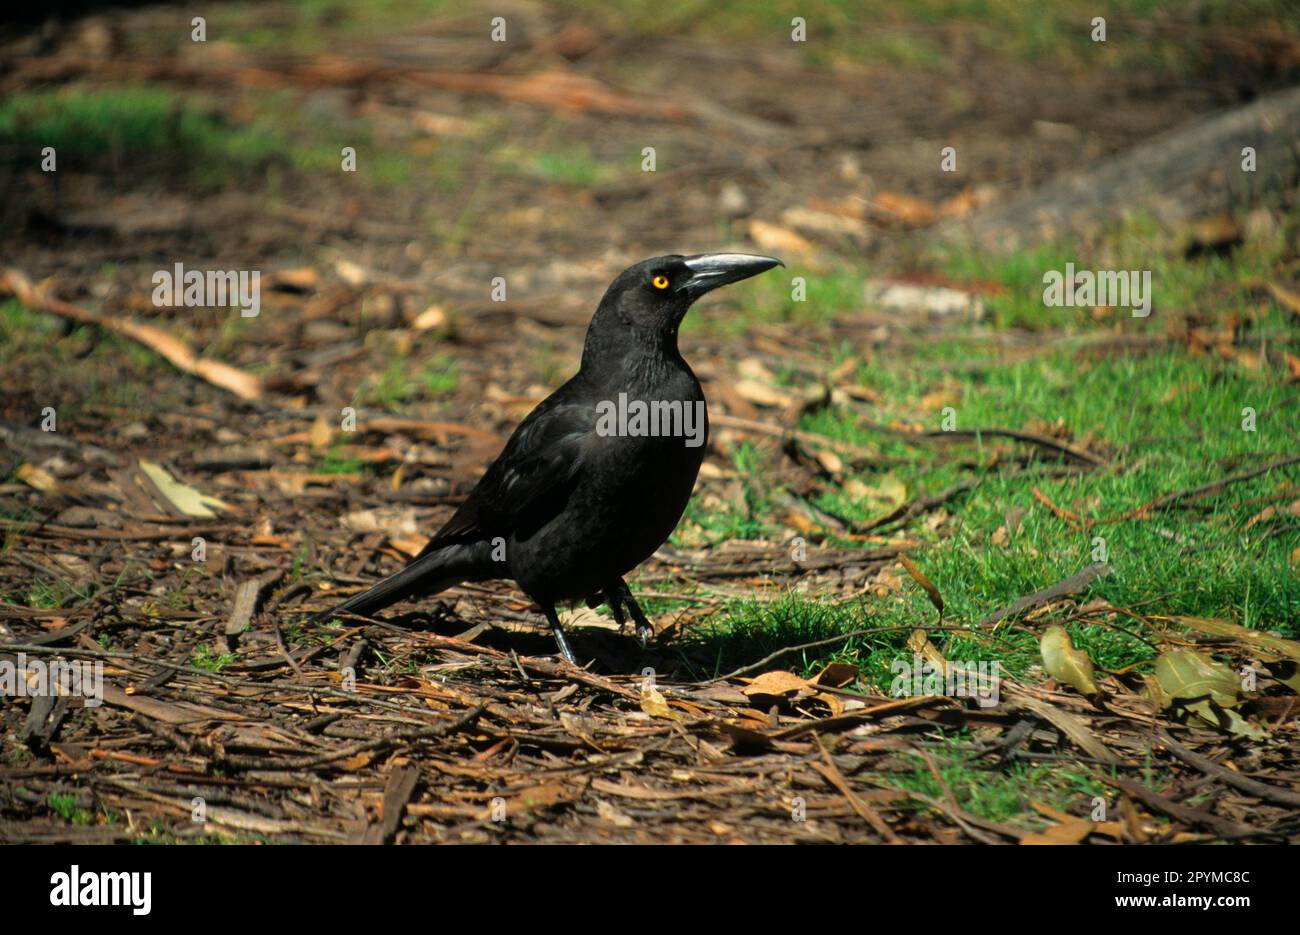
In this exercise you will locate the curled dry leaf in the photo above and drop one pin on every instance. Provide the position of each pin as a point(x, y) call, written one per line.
point(1255, 639)
point(655, 704)
point(1204, 688)
point(926, 584)
point(1063, 662)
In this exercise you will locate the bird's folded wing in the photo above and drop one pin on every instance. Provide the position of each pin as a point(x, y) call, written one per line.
point(540, 462)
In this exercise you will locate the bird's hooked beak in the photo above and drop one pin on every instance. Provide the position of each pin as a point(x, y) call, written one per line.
point(711, 270)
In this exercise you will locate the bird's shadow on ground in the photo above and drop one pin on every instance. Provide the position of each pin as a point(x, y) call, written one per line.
point(604, 651)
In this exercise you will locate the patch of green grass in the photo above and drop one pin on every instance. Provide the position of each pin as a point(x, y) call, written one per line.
point(568, 165)
point(84, 125)
point(1165, 420)
point(64, 804)
point(335, 462)
point(309, 26)
point(391, 387)
point(48, 594)
point(190, 133)
point(401, 381)
point(440, 376)
point(1211, 284)
point(779, 297)
point(208, 657)
point(919, 33)
point(1001, 794)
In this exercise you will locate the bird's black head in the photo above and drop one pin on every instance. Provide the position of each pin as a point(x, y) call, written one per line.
point(651, 297)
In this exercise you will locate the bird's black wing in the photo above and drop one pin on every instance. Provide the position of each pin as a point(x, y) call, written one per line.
point(530, 480)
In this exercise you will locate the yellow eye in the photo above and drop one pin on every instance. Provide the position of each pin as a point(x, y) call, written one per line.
point(660, 282)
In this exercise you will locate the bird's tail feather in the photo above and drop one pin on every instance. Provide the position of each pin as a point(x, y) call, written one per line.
point(427, 574)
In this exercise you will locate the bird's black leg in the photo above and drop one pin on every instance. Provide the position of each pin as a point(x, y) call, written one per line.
point(624, 595)
point(561, 640)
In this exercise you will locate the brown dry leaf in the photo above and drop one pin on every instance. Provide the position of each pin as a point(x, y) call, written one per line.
point(776, 239)
point(435, 316)
point(1069, 831)
point(831, 463)
point(610, 813)
point(1063, 662)
point(1262, 516)
point(388, 519)
point(321, 434)
point(887, 494)
point(544, 795)
point(936, 400)
point(1256, 639)
point(557, 88)
point(1285, 297)
point(835, 704)
point(297, 279)
point(836, 675)
point(926, 584)
point(961, 203)
point(919, 642)
point(912, 212)
point(762, 394)
point(37, 478)
point(1068, 723)
point(775, 683)
point(408, 545)
point(654, 704)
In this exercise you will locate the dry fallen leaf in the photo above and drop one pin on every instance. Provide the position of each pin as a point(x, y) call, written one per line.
point(775, 684)
point(37, 478)
point(776, 239)
point(1204, 688)
point(654, 704)
point(1063, 662)
point(926, 584)
point(184, 498)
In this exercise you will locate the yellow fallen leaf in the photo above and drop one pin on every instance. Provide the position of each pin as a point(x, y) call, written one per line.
point(655, 704)
point(1063, 662)
point(37, 478)
point(184, 498)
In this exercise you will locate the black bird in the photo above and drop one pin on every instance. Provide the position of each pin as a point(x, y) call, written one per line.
point(582, 493)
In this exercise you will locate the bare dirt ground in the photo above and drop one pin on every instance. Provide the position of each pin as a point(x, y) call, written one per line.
point(449, 722)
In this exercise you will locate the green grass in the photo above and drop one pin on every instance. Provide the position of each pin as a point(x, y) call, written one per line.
point(85, 125)
point(403, 380)
point(1000, 794)
point(64, 805)
point(1166, 419)
point(208, 657)
point(571, 165)
point(1178, 286)
point(772, 299)
point(190, 134)
point(311, 26)
point(916, 33)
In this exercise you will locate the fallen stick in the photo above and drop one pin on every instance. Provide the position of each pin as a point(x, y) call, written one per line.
point(181, 355)
point(1074, 584)
point(1263, 790)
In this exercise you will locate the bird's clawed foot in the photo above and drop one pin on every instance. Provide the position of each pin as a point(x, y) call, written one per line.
point(619, 597)
point(561, 641)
